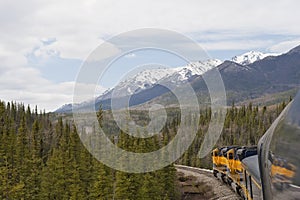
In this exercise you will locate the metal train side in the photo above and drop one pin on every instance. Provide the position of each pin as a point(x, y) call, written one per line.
point(229, 166)
point(279, 159)
point(272, 169)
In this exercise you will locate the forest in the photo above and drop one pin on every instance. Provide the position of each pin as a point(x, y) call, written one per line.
point(42, 157)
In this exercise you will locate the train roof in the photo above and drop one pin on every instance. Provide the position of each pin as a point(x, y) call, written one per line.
point(250, 163)
point(246, 152)
point(227, 148)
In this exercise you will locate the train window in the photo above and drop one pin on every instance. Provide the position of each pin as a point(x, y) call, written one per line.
point(230, 156)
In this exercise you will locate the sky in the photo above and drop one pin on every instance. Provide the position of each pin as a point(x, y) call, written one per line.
point(44, 43)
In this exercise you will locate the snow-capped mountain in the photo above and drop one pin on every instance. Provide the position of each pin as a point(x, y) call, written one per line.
point(182, 74)
point(149, 77)
point(149, 84)
point(141, 81)
point(251, 57)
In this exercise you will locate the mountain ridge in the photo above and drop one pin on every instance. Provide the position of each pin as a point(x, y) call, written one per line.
point(251, 57)
point(252, 80)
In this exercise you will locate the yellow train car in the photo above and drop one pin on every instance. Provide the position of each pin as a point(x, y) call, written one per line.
point(282, 168)
point(282, 172)
point(219, 163)
point(227, 166)
point(215, 157)
point(270, 170)
point(233, 163)
point(238, 167)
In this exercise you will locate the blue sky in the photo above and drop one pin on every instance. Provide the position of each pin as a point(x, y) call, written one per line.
point(43, 44)
point(58, 69)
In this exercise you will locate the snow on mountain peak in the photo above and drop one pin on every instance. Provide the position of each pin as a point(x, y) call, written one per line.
point(194, 68)
point(149, 77)
point(251, 57)
point(142, 80)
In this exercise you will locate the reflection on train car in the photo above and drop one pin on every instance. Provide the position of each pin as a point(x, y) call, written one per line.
point(282, 172)
point(270, 170)
point(279, 158)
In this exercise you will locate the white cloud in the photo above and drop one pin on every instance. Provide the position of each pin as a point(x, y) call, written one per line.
point(77, 25)
point(102, 52)
point(236, 44)
point(284, 46)
point(130, 55)
point(80, 26)
point(26, 85)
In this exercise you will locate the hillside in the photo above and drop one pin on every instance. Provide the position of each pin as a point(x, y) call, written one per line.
point(260, 76)
point(266, 78)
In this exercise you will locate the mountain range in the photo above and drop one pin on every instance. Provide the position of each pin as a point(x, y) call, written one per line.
point(248, 76)
point(251, 57)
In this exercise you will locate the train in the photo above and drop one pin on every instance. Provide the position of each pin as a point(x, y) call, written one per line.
point(270, 169)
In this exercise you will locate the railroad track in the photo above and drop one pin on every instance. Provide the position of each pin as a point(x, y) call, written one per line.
point(221, 191)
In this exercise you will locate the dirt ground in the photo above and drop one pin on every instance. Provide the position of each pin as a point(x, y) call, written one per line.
point(201, 184)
